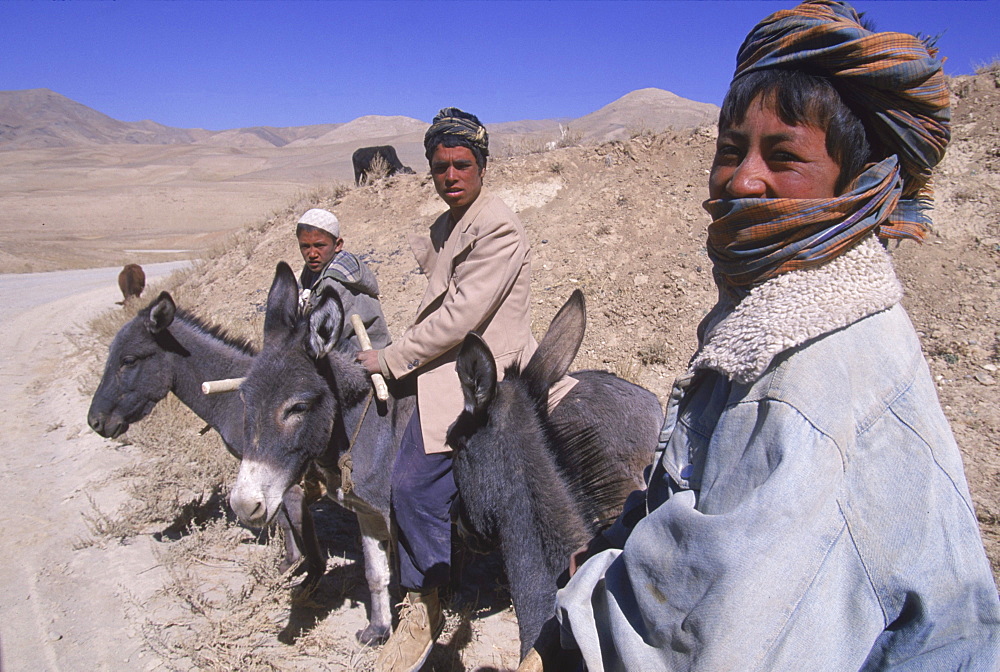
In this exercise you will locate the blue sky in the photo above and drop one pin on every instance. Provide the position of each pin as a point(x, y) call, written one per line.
point(220, 65)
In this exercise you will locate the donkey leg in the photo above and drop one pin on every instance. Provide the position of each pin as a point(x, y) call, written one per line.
point(374, 545)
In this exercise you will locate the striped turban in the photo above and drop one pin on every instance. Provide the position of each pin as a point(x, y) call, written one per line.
point(453, 121)
point(894, 83)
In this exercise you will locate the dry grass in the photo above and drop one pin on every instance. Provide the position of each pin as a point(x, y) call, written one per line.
point(520, 147)
point(230, 619)
point(989, 68)
point(378, 169)
point(568, 137)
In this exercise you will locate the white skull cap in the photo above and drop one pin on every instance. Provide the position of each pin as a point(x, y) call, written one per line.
point(321, 219)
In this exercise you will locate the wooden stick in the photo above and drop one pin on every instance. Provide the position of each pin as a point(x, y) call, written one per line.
point(381, 389)
point(224, 385)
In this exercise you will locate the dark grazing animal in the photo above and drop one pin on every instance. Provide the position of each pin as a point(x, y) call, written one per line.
point(164, 349)
point(363, 158)
point(131, 280)
point(541, 486)
point(307, 403)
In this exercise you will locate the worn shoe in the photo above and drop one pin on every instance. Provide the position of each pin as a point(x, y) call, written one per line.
point(532, 662)
point(420, 623)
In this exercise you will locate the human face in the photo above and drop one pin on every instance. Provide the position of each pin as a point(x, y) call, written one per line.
point(763, 157)
point(317, 248)
point(457, 177)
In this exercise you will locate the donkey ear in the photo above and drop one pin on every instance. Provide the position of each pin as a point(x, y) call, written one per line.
point(477, 371)
point(161, 313)
point(562, 341)
point(326, 322)
point(282, 303)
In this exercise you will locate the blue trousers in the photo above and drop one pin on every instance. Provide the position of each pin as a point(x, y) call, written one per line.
point(423, 489)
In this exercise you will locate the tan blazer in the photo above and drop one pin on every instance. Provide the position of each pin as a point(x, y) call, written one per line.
point(478, 279)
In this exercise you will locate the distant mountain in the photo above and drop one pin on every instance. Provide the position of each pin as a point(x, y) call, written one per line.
point(268, 136)
point(369, 126)
point(36, 118)
point(652, 110)
point(526, 126)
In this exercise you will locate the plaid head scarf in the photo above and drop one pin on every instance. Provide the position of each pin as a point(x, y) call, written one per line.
point(449, 123)
point(895, 84)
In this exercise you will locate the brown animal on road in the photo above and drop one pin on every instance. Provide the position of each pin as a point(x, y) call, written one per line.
point(132, 280)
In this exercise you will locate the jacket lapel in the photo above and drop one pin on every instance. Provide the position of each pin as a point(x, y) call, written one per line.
point(451, 245)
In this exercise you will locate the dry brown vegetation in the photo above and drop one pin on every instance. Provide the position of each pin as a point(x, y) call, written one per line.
point(623, 222)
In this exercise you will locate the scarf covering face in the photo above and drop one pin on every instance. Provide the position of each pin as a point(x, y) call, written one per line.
point(447, 122)
point(896, 86)
point(751, 240)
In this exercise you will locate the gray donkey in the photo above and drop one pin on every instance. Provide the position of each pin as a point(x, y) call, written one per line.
point(542, 485)
point(308, 404)
point(164, 349)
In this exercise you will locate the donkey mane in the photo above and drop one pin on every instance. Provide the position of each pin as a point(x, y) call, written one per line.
point(593, 483)
point(215, 331)
point(538, 391)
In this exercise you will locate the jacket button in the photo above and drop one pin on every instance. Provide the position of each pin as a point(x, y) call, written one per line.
point(687, 471)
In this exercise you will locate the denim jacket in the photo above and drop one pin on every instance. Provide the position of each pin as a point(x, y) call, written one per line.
point(807, 508)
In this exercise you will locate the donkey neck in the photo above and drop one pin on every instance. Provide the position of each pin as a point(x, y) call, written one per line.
point(202, 356)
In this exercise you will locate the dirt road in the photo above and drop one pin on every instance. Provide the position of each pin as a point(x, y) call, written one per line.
point(61, 606)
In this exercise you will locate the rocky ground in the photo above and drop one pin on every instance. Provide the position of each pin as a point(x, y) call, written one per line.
point(621, 221)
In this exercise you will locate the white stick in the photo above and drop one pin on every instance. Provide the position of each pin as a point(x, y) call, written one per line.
point(381, 389)
point(224, 385)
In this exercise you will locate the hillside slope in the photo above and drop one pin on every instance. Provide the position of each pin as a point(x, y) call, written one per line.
point(623, 222)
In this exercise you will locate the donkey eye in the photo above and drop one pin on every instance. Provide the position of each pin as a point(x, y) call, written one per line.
point(297, 408)
point(129, 360)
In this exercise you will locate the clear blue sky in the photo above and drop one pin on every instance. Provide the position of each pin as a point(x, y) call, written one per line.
point(221, 65)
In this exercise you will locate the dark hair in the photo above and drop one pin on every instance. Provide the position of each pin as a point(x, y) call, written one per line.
point(449, 139)
point(803, 99)
point(300, 228)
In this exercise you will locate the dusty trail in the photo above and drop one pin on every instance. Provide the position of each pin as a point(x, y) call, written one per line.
point(60, 608)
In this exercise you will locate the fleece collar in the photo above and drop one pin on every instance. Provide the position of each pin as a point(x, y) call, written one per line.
point(795, 307)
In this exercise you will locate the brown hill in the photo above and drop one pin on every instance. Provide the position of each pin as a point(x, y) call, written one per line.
point(644, 111)
point(366, 128)
point(36, 118)
point(267, 136)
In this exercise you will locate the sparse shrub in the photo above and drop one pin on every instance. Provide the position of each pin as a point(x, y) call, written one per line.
point(627, 369)
point(556, 168)
point(640, 130)
point(567, 137)
point(654, 352)
point(378, 169)
point(519, 147)
point(103, 526)
point(339, 190)
point(965, 196)
point(988, 68)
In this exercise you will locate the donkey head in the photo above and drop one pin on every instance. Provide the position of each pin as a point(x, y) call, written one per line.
point(290, 399)
point(137, 373)
point(501, 419)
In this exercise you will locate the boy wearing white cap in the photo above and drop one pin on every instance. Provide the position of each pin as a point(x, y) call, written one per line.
point(328, 264)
